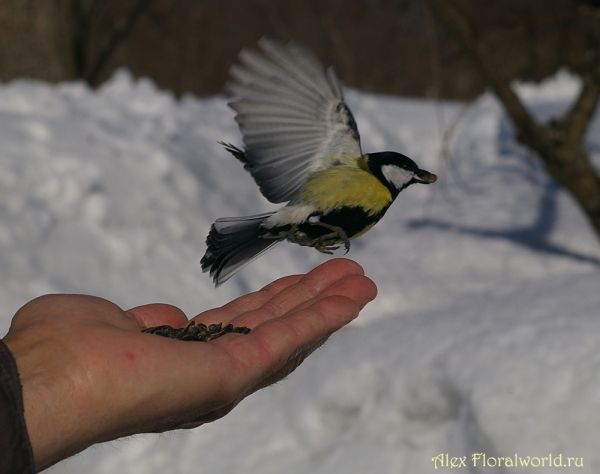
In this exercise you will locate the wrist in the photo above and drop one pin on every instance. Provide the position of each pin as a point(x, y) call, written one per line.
point(17, 455)
point(52, 424)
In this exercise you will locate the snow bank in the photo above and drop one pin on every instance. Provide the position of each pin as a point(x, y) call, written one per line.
point(484, 337)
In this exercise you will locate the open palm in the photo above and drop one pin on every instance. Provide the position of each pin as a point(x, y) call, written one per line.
point(90, 375)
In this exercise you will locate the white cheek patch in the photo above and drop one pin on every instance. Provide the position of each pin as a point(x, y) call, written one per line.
point(399, 177)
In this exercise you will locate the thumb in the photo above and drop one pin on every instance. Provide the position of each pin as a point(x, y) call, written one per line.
point(158, 314)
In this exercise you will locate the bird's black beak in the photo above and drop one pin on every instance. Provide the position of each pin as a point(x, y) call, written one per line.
point(424, 177)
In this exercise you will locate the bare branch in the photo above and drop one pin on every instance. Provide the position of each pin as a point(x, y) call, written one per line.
point(116, 39)
point(579, 117)
point(559, 143)
point(457, 24)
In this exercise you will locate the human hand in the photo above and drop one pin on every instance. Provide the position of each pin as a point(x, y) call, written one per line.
point(90, 375)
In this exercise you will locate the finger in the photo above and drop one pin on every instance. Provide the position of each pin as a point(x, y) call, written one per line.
point(268, 359)
point(356, 287)
point(284, 294)
point(303, 291)
point(247, 302)
point(237, 363)
point(158, 314)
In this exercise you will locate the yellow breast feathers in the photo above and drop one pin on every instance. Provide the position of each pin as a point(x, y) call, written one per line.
point(346, 185)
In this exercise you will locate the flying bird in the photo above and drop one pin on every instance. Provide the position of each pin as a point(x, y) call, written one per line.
point(302, 147)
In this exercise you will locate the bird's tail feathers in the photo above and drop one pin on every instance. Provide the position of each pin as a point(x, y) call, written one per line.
point(232, 243)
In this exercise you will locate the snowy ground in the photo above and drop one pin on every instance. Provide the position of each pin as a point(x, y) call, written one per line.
point(485, 336)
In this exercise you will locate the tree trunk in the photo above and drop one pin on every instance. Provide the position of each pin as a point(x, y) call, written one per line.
point(560, 143)
point(36, 40)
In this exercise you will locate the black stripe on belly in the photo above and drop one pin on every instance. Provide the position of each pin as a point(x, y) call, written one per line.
point(352, 219)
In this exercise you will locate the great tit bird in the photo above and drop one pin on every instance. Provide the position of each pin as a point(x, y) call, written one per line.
point(301, 146)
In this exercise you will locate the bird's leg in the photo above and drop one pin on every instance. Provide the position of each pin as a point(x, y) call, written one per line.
point(322, 244)
point(325, 243)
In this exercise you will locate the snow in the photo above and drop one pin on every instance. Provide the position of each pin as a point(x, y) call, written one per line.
point(485, 336)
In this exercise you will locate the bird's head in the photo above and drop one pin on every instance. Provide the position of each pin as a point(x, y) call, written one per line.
point(397, 171)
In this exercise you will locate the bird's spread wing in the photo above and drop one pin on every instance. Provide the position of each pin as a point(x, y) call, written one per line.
point(292, 116)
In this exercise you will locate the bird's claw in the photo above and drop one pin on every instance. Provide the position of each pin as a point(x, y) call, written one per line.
point(327, 243)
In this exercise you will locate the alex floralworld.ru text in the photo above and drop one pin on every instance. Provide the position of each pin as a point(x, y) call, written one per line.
point(482, 460)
